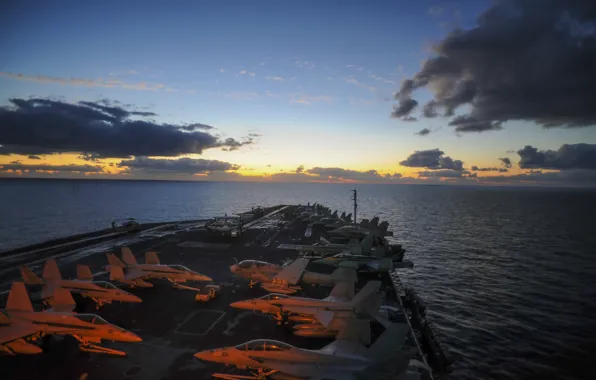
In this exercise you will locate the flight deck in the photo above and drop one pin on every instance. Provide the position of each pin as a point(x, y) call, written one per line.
point(172, 324)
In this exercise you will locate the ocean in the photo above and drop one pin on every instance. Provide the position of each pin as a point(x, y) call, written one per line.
point(508, 274)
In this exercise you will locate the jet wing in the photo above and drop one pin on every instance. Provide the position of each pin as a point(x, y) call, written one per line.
point(16, 331)
point(310, 248)
point(292, 273)
point(324, 317)
point(136, 273)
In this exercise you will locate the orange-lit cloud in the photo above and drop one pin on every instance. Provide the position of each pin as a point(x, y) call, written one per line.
point(98, 82)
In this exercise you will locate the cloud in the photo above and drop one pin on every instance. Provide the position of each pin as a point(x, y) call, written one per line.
point(32, 157)
point(423, 132)
point(432, 159)
point(404, 107)
point(577, 177)
point(309, 99)
point(435, 10)
point(276, 78)
point(445, 173)
point(568, 156)
point(516, 64)
point(465, 123)
point(45, 168)
point(505, 161)
point(305, 64)
point(43, 126)
point(477, 169)
point(181, 165)
point(300, 169)
point(99, 82)
point(338, 174)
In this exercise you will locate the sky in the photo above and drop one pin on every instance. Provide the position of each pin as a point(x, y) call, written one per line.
point(467, 92)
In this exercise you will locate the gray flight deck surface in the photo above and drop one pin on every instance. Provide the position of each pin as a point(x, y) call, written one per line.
point(171, 323)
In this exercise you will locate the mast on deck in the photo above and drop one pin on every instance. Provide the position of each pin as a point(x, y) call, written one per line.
point(355, 199)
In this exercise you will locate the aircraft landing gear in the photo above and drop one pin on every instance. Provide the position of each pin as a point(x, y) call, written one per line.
point(86, 346)
point(259, 375)
point(252, 284)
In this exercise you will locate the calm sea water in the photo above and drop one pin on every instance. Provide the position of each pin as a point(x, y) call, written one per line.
point(508, 274)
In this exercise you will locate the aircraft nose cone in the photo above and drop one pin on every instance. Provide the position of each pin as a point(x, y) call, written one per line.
point(239, 305)
point(132, 337)
point(135, 299)
point(203, 355)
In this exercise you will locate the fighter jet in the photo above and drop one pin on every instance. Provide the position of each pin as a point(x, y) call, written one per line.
point(21, 327)
point(345, 358)
point(325, 247)
point(279, 279)
point(362, 263)
point(365, 228)
point(137, 273)
point(101, 292)
point(317, 313)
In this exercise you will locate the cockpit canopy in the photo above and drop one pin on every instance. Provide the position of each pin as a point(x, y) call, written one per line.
point(274, 296)
point(180, 267)
point(91, 318)
point(245, 264)
point(264, 345)
point(105, 285)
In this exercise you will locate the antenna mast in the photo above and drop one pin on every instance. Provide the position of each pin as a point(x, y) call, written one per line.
point(355, 199)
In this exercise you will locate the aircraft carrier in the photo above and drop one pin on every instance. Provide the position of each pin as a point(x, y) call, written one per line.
point(172, 324)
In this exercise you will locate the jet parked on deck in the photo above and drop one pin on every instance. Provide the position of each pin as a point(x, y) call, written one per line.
point(21, 327)
point(315, 316)
point(280, 279)
point(101, 292)
point(136, 274)
point(345, 358)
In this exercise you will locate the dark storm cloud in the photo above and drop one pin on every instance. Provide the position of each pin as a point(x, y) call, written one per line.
point(404, 107)
point(181, 165)
point(423, 132)
point(409, 118)
point(568, 156)
point(196, 127)
point(34, 157)
point(446, 173)
point(477, 169)
point(43, 126)
point(347, 174)
point(93, 157)
point(529, 60)
point(431, 159)
point(60, 168)
point(506, 161)
point(465, 123)
point(300, 169)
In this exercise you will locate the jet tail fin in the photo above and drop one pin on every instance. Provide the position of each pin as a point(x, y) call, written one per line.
point(114, 261)
point(344, 275)
point(84, 273)
point(355, 330)
point(324, 241)
point(366, 243)
point(342, 290)
point(151, 258)
point(389, 344)
point(29, 277)
point(374, 223)
point(359, 302)
point(349, 218)
point(128, 257)
point(116, 273)
point(51, 272)
point(62, 301)
point(18, 298)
